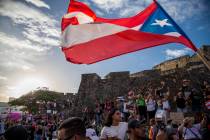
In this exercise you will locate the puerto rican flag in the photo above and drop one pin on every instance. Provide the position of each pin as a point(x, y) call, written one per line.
point(87, 39)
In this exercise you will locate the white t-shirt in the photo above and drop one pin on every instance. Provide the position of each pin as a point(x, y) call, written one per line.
point(187, 134)
point(91, 133)
point(161, 114)
point(115, 131)
point(150, 105)
point(166, 104)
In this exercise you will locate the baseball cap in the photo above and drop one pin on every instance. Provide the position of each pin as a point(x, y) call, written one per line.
point(91, 133)
point(135, 123)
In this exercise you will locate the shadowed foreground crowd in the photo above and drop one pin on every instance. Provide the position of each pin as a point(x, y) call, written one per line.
point(135, 117)
point(76, 128)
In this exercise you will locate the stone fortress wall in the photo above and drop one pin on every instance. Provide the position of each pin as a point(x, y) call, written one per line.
point(184, 61)
point(93, 87)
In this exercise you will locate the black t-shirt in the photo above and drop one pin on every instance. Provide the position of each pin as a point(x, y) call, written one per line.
point(161, 92)
point(195, 98)
point(186, 89)
point(39, 131)
point(180, 102)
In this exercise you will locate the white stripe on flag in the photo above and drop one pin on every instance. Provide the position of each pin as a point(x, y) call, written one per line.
point(77, 34)
point(81, 17)
point(176, 34)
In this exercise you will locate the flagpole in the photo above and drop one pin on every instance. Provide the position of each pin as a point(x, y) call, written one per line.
point(201, 56)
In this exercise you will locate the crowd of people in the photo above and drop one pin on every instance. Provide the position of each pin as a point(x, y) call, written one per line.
point(136, 116)
point(153, 102)
point(31, 127)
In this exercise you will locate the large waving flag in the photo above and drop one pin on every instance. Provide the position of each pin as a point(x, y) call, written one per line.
point(87, 38)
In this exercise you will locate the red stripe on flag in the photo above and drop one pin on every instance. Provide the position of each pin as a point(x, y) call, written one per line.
point(67, 21)
point(131, 21)
point(187, 43)
point(76, 6)
point(124, 42)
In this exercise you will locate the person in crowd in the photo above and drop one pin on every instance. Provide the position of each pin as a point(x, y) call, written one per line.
point(181, 103)
point(31, 130)
point(151, 106)
point(91, 134)
point(98, 113)
point(169, 127)
point(108, 105)
point(114, 128)
point(136, 130)
point(39, 132)
point(191, 131)
point(173, 136)
point(160, 113)
point(72, 128)
point(15, 133)
point(161, 91)
point(91, 131)
point(207, 98)
point(157, 93)
point(126, 113)
point(45, 131)
point(196, 99)
point(161, 135)
point(166, 105)
point(204, 85)
point(2, 129)
point(119, 103)
point(186, 91)
point(186, 88)
point(141, 105)
point(152, 129)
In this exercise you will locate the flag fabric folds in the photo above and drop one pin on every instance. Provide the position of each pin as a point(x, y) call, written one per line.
point(87, 39)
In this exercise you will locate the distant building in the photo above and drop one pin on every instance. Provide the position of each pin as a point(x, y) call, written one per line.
point(3, 104)
point(4, 109)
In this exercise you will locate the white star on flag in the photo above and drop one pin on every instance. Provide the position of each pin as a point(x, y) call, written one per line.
point(162, 23)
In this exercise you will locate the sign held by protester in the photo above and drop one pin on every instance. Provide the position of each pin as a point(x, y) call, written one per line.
point(177, 117)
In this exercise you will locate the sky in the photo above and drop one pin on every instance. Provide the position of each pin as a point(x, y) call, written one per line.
point(30, 54)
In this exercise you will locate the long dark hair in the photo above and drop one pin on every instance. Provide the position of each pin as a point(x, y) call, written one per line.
point(109, 120)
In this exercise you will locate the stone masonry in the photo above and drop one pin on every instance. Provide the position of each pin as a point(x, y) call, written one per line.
point(93, 88)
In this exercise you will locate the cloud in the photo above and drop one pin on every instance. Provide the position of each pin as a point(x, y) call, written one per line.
point(11, 87)
point(21, 65)
point(16, 43)
point(174, 53)
point(108, 5)
point(4, 98)
point(39, 33)
point(38, 3)
point(176, 8)
point(13, 60)
point(3, 78)
point(37, 26)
